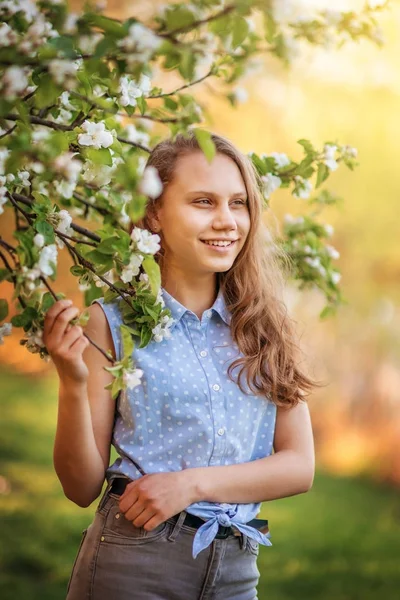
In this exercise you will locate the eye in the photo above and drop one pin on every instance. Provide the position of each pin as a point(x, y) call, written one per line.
point(202, 200)
point(243, 202)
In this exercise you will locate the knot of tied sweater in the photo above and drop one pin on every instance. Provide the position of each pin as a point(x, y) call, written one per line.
point(207, 532)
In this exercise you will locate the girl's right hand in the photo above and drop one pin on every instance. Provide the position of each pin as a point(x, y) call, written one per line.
point(65, 343)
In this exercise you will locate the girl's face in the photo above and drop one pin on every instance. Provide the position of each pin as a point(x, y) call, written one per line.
point(204, 202)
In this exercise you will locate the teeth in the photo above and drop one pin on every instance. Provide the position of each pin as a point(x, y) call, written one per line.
point(219, 243)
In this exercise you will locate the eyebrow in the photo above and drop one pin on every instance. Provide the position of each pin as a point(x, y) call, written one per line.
point(216, 195)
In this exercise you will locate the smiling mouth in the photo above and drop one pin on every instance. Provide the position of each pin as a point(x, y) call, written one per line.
point(219, 245)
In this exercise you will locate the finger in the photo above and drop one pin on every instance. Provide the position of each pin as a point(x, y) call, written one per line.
point(142, 518)
point(71, 337)
point(126, 502)
point(52, 314)
point(60, 325)
point(80, 344)
point(152, 523)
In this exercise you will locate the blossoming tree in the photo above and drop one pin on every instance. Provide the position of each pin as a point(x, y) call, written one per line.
point(77, 104)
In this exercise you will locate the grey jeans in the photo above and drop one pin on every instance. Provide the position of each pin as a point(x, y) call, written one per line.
point(118, 561)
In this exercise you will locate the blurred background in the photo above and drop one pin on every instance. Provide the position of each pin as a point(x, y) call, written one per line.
point(340, 541)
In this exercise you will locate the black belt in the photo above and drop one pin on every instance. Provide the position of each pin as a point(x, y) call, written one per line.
point(119, 484)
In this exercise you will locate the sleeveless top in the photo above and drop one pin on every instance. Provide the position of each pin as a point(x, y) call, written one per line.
point(187, 412)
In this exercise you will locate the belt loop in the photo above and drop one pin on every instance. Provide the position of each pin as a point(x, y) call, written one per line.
point(177, 526)
point(104, 496)
point(242, 540)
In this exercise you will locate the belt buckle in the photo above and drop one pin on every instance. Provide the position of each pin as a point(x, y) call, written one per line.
point(225, 532)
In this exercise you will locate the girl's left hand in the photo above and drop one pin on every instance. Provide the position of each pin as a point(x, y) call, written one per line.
point(155, 497)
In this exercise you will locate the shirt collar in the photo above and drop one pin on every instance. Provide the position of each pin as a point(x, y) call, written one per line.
point(178, 310)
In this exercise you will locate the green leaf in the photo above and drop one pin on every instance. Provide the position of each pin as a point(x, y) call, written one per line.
point(269, 28)
point(240, 31)
point(128, 344)
point(142, 104)
point(47, 302)
point(110, 26)
point(153, 271)
point(101, 156)
point(136, 208)
point(145, 336)
point(205, 142)
point(179, 17)
point(323, 173)
point(47, 92)
point(307, 145)
point(65, 44)
point(46, 230)
point(3, 309)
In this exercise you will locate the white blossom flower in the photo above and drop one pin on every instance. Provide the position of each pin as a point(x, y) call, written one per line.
point(27, 7)
point(64, 72)
point(270, 184)
point(303, 187)
point(240, 94)
point(96, 135)
point(4, 154)
point(140, 43)
point(68, 166)
point(8, 37)
point(132, 377)
point(24, 177)
point(66, 190)
point(96, 174)
point(280, 158)
point(328, 230)
point(40, 133)
point(135, 136)
point(132, 269)
point(14, 82)
point(48, 255)
point(64, 101)
point(130, 89)
point(37, 34)
point(329, 157)
point(162, 330)
point(146, 242)
point(332, 252)
point(291, 220)
point(336, 277)
point(63, 118)
point(70, 23)
point(38, 240)
point(88, 43)
point(151, 184)
point(145, 279)
point(64, 222)
point(5, 329)
point(313, 262)
point(84, 287)
point(3, 193)
point(348, 151)
point(35, 341)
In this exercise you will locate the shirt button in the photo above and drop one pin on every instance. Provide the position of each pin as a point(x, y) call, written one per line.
point(203, 353)
point(221, 431)
point(216, 387)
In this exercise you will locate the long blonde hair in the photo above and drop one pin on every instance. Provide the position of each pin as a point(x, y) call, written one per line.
point(252, 287)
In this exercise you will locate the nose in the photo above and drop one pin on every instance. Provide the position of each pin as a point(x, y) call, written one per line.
point(224, 219)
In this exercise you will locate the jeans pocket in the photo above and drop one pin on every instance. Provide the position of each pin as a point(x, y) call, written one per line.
point(84, 532)
point(252, 546)
point(118, 530)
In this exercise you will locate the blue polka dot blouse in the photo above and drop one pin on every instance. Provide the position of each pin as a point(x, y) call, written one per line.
point(188, 413)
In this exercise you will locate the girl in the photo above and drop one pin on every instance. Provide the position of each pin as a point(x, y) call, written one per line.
point(218, 424)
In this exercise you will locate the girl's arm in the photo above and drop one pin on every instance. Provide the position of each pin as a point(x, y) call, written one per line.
point(288, 472)
point(85, 420)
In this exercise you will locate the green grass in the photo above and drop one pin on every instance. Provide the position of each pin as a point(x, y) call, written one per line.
point(340, 541)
